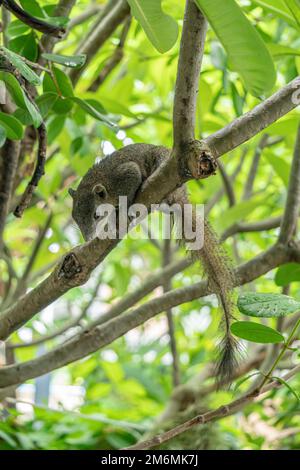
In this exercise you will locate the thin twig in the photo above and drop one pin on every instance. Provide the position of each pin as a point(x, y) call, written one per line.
point(21, 286)
point(68, 325)
point(220, 413)
point(85, 15)
point(8, 162)
point(167, 286)
point(227, 185)
point(114, 59)
point(99, 35)
point(38, 172)
point(254, 167)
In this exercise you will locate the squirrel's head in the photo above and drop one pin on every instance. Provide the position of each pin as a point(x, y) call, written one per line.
point(89, 195)
point(104, 183)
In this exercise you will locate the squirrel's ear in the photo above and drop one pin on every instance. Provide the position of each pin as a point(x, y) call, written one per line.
point(100, 191)
point(72, 192)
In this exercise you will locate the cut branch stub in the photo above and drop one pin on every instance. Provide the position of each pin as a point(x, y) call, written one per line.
point(70, 267)
point(200, 162)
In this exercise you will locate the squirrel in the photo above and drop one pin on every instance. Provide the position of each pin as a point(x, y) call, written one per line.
point(122, 173)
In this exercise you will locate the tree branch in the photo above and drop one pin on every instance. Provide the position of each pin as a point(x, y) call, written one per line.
point(169, 176)
point(227, 185)
point(220, 413)
point(67, 326)
point(188, 74)
point(95, 338)
point(75, 267)
point(114, 59)
point(253, 122)
point(167, 286)
point(38, 172)
point(63, 8)
point(8, 162)
point(85, 15)
point(259, 226)
point(100, 34)
point(292, 207)
point(254, 167)
point(21, 286)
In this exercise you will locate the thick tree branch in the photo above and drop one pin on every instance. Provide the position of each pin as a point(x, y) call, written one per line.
point(169, 176)
point(74, 269)
point(256, 120)
point(292, 207)
point(95, 338)
point(188, 74)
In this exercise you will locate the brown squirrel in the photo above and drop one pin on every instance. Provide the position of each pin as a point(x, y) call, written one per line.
point(122, 174)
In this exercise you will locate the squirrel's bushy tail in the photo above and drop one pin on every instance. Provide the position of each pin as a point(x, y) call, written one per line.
point(221, 281)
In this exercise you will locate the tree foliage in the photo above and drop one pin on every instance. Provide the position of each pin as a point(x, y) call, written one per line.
point(108, 82)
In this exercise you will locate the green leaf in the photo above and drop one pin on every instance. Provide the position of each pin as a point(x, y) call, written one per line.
point(61, 21)
point(23, 116)
point(63, 82)
point(287, 273)
point(280, 166)
point(246, 50)
point(256, 333)
point(45, 102)
point(277, 8)
point(244, 379)
point(267, 305)
point(69, 61)
point(239, 212)
point(17, 28)
point(88, 108)
point(7, 438)
point(20, 97)
point(2, 136)
point(294, 8)
point(283, 382)
point(32, 7)
point(12, 127)
point(161, 29)
point(54, 127)
point(18, 62)
point(25, 46)
point(62, 105)
point(278, 51)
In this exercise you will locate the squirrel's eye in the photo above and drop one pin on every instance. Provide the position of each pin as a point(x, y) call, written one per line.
point(101, 194)
point(96, 216)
